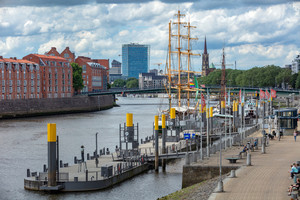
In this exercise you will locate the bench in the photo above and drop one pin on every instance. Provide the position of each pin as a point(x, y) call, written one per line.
point(232, 160)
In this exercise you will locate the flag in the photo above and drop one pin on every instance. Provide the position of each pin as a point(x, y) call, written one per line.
point(267, 94)
point(262, 94)
point(202, 85)
point(273, 93)
point(243, 97)
point(240, 96)
point(196, 83)
point(228, 99)
point(202, 102)
point(192, 85)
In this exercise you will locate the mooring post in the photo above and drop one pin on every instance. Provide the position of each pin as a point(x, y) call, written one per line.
point(156, 143)
point(51, 154)
point(163, 121)
point(28, 172)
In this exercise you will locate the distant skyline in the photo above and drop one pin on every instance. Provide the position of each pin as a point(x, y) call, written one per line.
point(255, 32)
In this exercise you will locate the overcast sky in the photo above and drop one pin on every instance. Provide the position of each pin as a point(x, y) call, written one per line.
point(255, 32)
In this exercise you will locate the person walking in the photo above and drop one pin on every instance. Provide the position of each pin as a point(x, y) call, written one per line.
point(82, 153)
point(295, 135)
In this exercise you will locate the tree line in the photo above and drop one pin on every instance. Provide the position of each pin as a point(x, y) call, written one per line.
point(267, 76)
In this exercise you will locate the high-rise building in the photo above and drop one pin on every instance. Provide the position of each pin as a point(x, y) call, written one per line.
point(135, 59)
point(296, 64)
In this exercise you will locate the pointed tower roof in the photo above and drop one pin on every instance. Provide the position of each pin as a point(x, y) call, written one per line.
point(205, 47)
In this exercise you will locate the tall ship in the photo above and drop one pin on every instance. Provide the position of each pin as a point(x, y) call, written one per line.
point(179, 69)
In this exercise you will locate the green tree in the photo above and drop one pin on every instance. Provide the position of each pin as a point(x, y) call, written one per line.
point(297, 85)
point(108, 86)
point(119, 83)
point(285, 76)
point(77, 77)
point(132, 83)
point(294, 79)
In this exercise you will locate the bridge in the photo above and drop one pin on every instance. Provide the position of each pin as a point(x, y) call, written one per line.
point(210, 88)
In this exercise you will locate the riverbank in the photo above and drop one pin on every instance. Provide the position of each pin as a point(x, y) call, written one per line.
point(18, 108)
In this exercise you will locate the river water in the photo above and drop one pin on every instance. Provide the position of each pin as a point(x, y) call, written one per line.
point(23, 144)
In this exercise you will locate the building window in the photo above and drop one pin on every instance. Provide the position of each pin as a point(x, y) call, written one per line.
point(63, 76)
point(3, 90)
point(25, 82)
point(56, 76)
point(69, 89)
point(32, 89)
point(18, 89)
point(38, 89)
point(32, 82)
point(50, 75)
point(50, 82)
point(83, 76)
point(3, 82)
point(10, 89)
point(37, 96)
point(38, 83)
point(66, 55)
point(56, 82)
point(69, 82)
point(52, 54)
point(70, 60)
point(10, 82)
point(83, 68)
point(56, 89)
point(63, 82)
point(18, 96)
point(32, 76)
point(9, 74)
point(17, 74)
point(55, 70)
point(25, 89)
point(38, 76)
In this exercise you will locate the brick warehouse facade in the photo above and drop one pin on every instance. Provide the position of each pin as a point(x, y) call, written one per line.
point(66, 53)
point(19, 79)
point(56, 75)
point(93, 74)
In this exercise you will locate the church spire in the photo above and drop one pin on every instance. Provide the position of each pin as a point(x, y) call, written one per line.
point(205, 47)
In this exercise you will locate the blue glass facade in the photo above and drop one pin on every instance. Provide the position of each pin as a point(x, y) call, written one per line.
point(135, 59)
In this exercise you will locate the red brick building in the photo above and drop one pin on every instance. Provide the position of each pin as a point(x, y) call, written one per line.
point(105, 63)
point(19, 79)
point(56, 75)
point(94, 74)
point(66, 53)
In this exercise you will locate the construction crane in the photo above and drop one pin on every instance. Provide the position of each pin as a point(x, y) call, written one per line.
point(158, 64)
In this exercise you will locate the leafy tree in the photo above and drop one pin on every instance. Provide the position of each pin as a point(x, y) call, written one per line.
point(77, 77)
point(297, 85)
point(119, 83)
point(108, 86)
point(294, 79)
point(132, 83)
point(285, 75)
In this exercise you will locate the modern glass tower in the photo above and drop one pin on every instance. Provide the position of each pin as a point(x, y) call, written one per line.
point(135, 59)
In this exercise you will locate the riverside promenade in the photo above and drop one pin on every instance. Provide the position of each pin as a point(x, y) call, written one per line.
point(267, 178)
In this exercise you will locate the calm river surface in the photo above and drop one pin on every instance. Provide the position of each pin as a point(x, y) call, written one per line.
point(23, 144)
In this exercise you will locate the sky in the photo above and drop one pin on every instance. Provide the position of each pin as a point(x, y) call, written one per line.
point(254, 32)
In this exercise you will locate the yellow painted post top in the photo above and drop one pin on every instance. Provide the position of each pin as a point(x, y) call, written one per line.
point(163, 121)
point(207, 113)
point(222, 104)
point(129, 119)
point(242, 104)
point(271, 98)
point(211, 112)
point(156, 122)
point(173, 113)
point(256, 103)
point(236, 106)
point(51, 132)
point(200, 109)
point(233, 106)
point(231, 93)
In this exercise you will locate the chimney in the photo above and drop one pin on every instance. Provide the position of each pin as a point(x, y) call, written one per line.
point(1, 57)
point(11, 58)
point(53, 48)
point(67, 48)
point(15, 58)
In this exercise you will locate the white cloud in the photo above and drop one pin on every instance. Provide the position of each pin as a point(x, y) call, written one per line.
point(268, 33)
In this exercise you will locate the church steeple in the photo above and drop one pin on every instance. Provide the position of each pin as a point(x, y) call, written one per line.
point(205, 47)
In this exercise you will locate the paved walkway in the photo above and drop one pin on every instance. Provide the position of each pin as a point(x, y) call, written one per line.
point(267, 178)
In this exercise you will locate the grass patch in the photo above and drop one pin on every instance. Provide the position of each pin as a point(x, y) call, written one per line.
point(180, 194)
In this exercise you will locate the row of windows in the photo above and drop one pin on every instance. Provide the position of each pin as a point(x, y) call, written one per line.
point(32, 75)
point(10, 83)
point(55, 89)
point(10, 89)
point(56, 82)
point(32, 96)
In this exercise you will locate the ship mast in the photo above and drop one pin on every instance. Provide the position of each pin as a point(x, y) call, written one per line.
point(181, 84)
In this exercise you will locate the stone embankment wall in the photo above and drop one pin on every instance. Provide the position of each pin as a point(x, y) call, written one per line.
point(48, 106)
point(192, 175)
